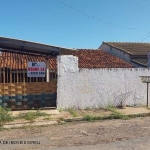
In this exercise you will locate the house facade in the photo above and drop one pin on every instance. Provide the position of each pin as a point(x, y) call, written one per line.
point(19, 91)
point(134, 53)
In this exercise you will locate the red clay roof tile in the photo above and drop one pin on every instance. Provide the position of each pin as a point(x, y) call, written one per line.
point(19, 61)
point(99, 59)
point(87, 59)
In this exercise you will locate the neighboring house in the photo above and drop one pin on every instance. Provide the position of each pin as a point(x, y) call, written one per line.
point(98, 59)
point(89, 58)
point(134, 53)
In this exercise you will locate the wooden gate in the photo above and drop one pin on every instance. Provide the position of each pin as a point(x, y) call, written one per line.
point(17, 91)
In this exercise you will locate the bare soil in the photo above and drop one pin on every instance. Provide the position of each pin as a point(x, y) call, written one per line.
point(77, 133)
point(56, 115)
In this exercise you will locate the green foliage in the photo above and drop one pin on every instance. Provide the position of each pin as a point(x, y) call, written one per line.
point(111, 108)
point(92, 117)
point(60, 109)
point(72, 111)
point(1, 128)
point(47, 118)
point(125, 117)
point(4, 116)
point(115, 114)
point(31, 115)
point(87, 108)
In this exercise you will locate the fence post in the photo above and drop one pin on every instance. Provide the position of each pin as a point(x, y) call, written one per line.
point(47, 69)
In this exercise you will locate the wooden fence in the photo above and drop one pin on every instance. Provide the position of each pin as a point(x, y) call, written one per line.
point(17, 91)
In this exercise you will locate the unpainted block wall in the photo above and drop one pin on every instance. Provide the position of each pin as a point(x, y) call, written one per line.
point(82, 88)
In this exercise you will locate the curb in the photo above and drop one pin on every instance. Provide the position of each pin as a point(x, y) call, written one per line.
point(129, 115)
point(40, 123)
point(52, 122)
point(74, 119)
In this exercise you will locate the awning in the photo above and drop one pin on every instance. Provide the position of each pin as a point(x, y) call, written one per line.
point(28, 47)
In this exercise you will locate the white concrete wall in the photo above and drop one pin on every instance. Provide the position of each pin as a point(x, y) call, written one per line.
point(82, 88)
point(118, 53)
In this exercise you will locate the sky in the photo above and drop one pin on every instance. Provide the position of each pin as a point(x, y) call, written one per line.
point(76, 23)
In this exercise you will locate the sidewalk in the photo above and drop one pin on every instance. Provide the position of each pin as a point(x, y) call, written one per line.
point(134, 110)
point(56, 117)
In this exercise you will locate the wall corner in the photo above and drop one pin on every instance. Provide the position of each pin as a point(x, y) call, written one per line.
point(67, 63)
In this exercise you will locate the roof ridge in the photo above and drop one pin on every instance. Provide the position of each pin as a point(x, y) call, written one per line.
point(87, 49)
point(37, 43)
point(87, 59)
point(129, 42)
point(119, 48)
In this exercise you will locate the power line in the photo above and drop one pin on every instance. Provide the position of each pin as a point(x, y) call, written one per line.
point(146, 37)
point(139, 39)
point(99, 19)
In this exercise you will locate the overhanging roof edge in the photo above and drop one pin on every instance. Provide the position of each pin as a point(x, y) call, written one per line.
point(23, 45)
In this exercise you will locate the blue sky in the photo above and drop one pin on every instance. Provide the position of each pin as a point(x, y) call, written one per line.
point(51, 22)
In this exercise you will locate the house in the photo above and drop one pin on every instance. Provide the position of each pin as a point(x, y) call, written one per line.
point(98, 59)
point(15, 65)
point(134, 53)
point(19, 91)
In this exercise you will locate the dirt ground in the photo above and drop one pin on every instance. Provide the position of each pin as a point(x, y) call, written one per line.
point(54, 114)
point(76, 133)
point(58, 116)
